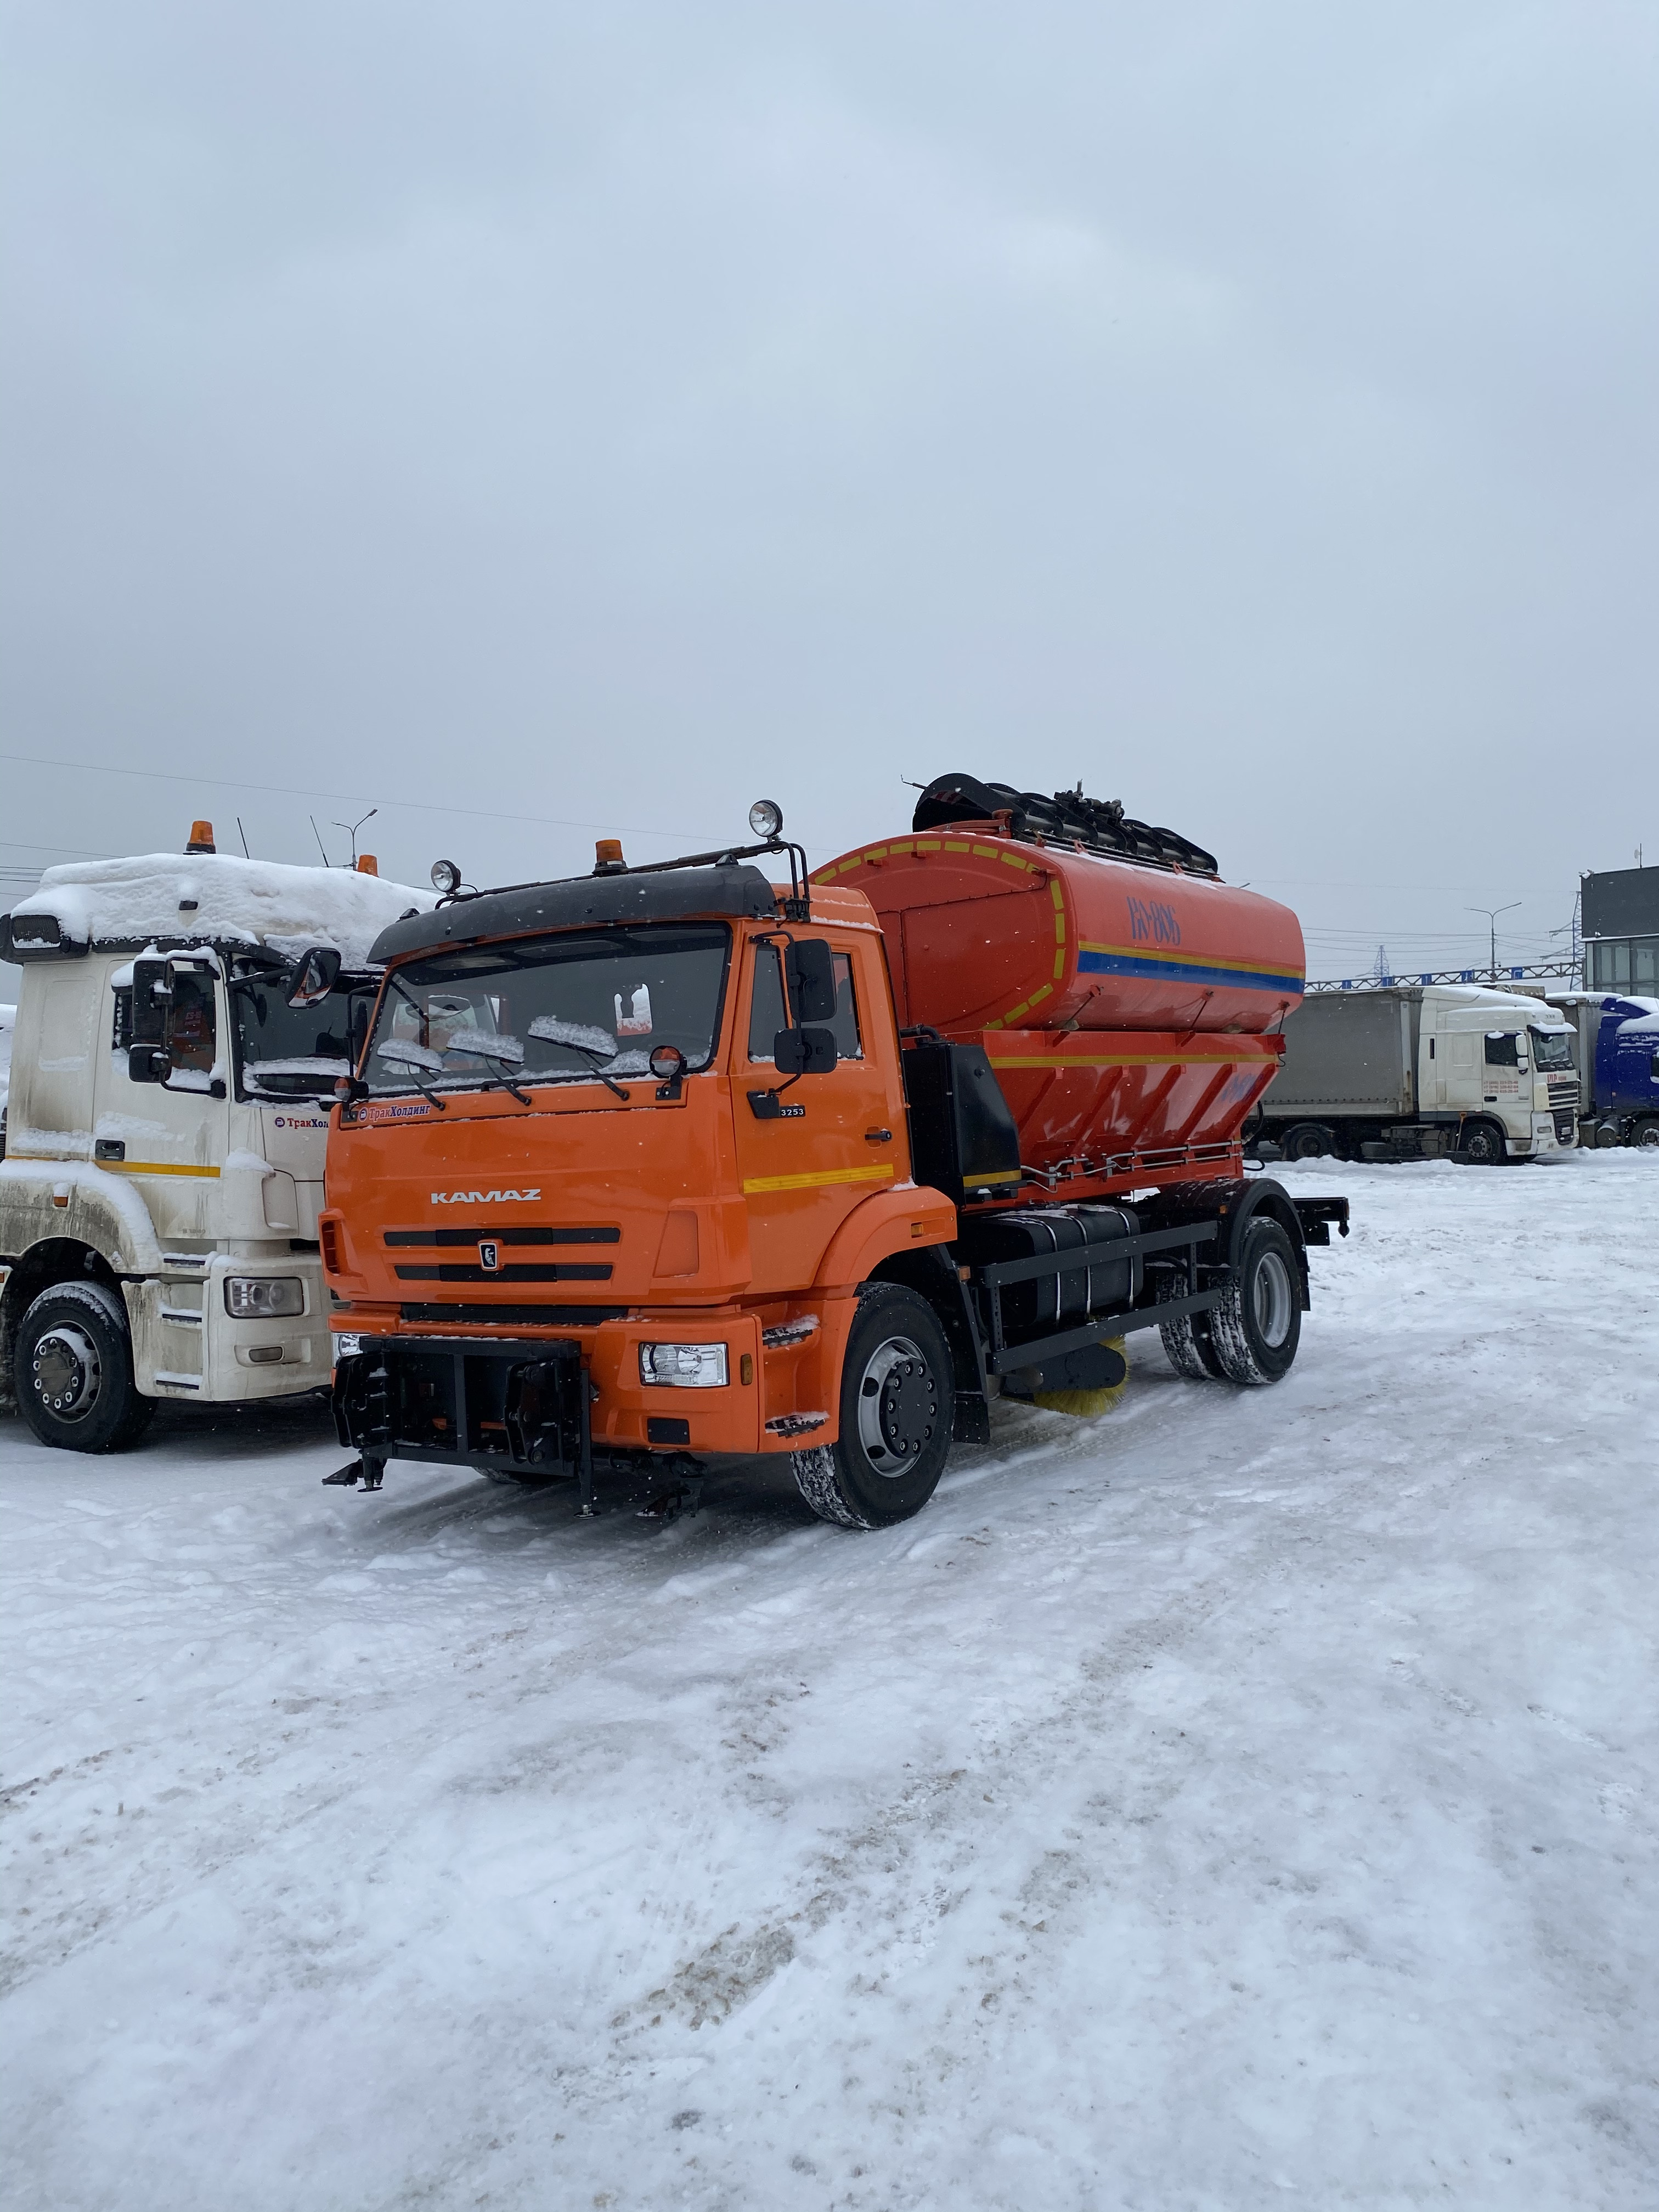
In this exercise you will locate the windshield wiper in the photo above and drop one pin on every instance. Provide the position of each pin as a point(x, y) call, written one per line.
point(610, 1082)
point(503, 1081)
point(548, 1029)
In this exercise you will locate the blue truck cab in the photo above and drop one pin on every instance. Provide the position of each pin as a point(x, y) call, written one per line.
point(1618, 1067)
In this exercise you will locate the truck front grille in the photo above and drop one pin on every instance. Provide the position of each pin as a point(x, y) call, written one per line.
point(455, 1271)
point(512, 1233)
point(493, 1317)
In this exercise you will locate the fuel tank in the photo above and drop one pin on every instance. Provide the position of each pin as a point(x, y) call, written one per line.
point(987, 930)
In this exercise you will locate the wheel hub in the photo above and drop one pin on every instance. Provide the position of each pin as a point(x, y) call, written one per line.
point(898, 1406)
point(66, 1372)
point(1272, 1294)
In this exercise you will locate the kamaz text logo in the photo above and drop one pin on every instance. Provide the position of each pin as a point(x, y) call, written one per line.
point(480, 1197)
point(1152, 923)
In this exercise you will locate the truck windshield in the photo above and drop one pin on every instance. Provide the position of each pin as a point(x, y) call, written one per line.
point(295, 1052)
point(1553, 1049)
point(551, 1009)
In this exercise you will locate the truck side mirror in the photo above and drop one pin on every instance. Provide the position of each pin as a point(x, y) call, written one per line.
point(148, 1063)
point(314, 974)
point(809, 967)
point(152, 994)
point(804, 1052)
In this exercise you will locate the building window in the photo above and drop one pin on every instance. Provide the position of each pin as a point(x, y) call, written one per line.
point(1625, 964)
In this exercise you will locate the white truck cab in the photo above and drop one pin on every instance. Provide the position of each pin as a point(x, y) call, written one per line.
point(1424, 1071)
point(1500, 1057)
point(181, 1027)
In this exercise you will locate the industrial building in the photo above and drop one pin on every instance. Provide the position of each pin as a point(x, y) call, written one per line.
point(1620, 926)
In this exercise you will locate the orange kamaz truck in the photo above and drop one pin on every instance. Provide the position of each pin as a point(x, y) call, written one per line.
point(680, 1160)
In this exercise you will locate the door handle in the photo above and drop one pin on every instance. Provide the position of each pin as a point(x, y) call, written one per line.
point(877, 1136)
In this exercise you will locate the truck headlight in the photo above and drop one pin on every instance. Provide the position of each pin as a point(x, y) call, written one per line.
point(263, 1297)
point(348, 1343)
point(684, 1366)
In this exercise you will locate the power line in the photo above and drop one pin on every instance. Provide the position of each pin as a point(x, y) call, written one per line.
point(350, 798)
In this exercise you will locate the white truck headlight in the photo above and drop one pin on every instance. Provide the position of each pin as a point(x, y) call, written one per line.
point(263, 1297)
point(684, 1366)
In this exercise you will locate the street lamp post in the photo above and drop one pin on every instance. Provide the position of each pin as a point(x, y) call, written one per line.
point(1491, 914)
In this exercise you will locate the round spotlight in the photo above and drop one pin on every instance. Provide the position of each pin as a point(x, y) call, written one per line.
point(445, 877)
point(766, 818)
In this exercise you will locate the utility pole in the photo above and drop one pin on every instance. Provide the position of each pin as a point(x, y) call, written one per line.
point(1491, 914)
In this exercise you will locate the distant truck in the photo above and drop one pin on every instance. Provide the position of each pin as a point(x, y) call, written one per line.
point(1618, 1054)
point(1423, 1072)
point(179, 1029)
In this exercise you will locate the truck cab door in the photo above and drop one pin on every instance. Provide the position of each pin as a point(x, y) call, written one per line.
point(169, 1140)
point(1433, 1068)
point(809, 1150)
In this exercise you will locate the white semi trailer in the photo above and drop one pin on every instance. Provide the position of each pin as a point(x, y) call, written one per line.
point(179, 1029)
point(1423, 1072)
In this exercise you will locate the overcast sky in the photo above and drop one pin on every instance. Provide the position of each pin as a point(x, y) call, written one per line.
point(539, 421)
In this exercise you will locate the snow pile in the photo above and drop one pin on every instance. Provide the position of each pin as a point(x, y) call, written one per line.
point(1245, 1801)
point(235, 901)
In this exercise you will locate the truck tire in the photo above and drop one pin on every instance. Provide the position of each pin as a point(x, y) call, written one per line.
point(1190, 1348)
point(897, 1398)
point(75, 1382)
point(1646, 1136)
point(1481, 1144)
point(1309, 1141)
point(1257, 1325)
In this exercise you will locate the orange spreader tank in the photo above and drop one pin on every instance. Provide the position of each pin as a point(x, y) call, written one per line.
point(1132, 1009)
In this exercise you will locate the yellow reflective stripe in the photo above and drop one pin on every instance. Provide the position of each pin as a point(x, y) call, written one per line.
point(153, 1167)
point(879, 1173)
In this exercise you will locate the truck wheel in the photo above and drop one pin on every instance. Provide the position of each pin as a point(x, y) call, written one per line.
point(1307, 1141)
point(1190, 1348)
point(1258, 1323)
point(1482, 1145)
point(74, 1370)
point(1646, 1138)
point(897, 1400)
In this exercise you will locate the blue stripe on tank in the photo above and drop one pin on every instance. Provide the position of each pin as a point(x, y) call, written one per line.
point(1181, 971)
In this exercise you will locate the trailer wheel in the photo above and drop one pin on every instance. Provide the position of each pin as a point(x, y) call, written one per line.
point(897, 1400)
point(1482, 1145)
point(75, 1371)
point(1258, 1323)
point(1309, 1141)
point(1190, 1348)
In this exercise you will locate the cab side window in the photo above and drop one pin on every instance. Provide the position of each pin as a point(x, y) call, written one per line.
point(846, 1024)
point(766, 1011)
point(767, 1015)
point(1501, 1048)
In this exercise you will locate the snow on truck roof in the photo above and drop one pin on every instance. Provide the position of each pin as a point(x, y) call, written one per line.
point(221, 898)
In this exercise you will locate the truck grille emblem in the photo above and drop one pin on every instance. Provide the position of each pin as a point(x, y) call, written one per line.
point(489, 1255)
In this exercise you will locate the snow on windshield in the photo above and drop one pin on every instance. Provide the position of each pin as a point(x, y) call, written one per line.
point(547, 1009)
point(295, 1052)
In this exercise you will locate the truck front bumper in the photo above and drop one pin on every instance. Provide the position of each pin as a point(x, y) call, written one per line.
point(536, 1404)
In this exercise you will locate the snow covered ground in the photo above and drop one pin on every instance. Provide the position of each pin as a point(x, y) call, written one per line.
point(1241, 1800)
